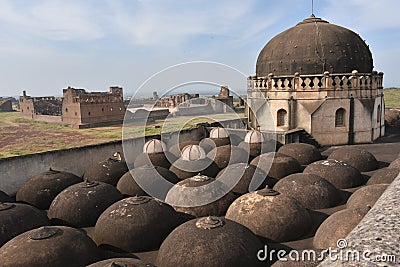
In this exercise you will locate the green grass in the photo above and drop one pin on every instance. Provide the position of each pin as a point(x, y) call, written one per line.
point(392, 97)
point(19, 136)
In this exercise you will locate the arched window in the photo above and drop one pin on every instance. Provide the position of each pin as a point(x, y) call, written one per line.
point(339, 117)
point(281, 117)
point(378, 114)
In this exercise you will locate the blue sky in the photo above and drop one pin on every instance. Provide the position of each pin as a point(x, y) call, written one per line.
point(47, 45)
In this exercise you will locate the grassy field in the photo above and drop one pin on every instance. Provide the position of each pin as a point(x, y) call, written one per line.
point(20, 136)
point(392, 97)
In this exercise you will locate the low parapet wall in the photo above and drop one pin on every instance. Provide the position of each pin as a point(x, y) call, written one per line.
point(16, 170)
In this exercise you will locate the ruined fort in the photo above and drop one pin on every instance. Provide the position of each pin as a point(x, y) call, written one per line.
point(76, 108)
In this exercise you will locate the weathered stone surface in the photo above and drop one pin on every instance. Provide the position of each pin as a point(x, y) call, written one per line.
point(153, 177)
point(135, 224)
point(50, 246)
point(395, 164)
point(162, 159)
point(16, 218)
point(212, 241)
point(338, 226)
point(383, 176)
point(303, 153)
point(271, 215)
point(276, 165)
point(41, 189)
point(256, 149)
point(338, 173)
point(312, 191)
point(225, 155)
point(80, 205)
point(200, 196)
point(245, 178)
point(366, 196)
point(356, 157)
point(107, 171)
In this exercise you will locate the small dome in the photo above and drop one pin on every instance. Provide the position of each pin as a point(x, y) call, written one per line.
point(193, 152)
point(16, 218)
point(254, 137)
point(247, 178)
point(338, 226)
point(338, 173)
point(108, 171)
point(50, 246)
point(121, 262)
point(80, 205)
point(154, 146)
point(218, 132)
point(41, 189)
point(276, 165)
point(366, 196)
point(383, 176)
point(310, 190)
point(135, 224)
point(314, 46)
point(225, 155)
point(395, 164)
point(214, 242)
point(176, 148)
point(189, 195)
point(287, 219)
point(303, 153)
point(158, 177)
point(360, 159)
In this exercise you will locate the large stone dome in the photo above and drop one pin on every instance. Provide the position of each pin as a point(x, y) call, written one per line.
point(314, 46)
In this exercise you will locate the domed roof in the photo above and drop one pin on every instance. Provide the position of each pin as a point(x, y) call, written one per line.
point(314, 46)
point(218, 132)
point(154, 146)
point(253, 137)
point(193, 152)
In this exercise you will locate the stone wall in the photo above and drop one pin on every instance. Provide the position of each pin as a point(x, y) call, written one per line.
point(16, 170)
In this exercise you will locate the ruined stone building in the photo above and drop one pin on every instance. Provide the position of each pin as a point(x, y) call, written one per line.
point(77, 108)
point(6, 105)
point(317, 77)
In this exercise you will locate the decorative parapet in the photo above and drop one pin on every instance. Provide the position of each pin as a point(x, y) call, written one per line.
point(315, 82)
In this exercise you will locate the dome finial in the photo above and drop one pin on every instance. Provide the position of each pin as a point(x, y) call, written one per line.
point(312, 9)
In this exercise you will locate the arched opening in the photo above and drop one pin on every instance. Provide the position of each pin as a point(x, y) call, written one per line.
point(339, 117)
point(378, 114)
point(281, 117)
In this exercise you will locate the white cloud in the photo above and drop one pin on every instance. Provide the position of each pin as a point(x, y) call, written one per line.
point(174, 22)
point(52, 20)
point(363, 15)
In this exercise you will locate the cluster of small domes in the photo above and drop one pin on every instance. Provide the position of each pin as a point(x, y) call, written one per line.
point(265, 196)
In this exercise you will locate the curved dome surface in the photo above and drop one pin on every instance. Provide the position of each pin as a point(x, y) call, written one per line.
point(314, 46)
